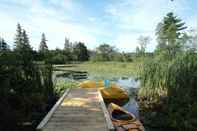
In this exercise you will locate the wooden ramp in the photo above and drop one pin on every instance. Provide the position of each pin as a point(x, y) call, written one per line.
point(78, 110)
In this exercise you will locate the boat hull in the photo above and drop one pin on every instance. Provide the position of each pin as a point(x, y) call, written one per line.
point(122, 124)
point(114, 94)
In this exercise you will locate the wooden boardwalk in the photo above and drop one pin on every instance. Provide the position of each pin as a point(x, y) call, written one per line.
point(78, 110)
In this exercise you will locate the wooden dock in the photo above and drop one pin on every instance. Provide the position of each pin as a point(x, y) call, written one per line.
point(78, 110)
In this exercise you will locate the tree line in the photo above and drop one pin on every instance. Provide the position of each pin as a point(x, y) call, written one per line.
point(72, 51)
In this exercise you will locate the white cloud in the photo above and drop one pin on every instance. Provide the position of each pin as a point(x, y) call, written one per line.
point(121, 24)
point(48, 20)
point(140, 17)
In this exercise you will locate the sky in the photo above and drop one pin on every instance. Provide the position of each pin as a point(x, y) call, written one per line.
point(94, 22)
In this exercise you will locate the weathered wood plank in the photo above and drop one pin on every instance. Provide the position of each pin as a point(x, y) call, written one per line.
point(49, 115)
point(106, 114)
point(79, 110)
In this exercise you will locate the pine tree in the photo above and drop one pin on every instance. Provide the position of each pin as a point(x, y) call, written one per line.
point(43, 45)
point(18, 38)
point(22, 46)
point(25, 41)
point(3, 45)
point(168, 33)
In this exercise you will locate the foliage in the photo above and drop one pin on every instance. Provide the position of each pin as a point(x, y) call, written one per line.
point(60, 87)
point(22, 46)
point(3, 45)
point(172, 86)
point(80, 52)
point(43, 48)
point(143, 42)
point(190, 40)
point(168, 34)
point(105, 70)
point(106, 52)
point(68, 50)
point(26, 92)
point(169, 80)
point(43, 45)
point(57, 56)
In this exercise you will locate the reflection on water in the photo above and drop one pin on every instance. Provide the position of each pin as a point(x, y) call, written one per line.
point(131, 85)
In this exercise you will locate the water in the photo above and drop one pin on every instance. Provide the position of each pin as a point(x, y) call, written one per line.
point(130, 84)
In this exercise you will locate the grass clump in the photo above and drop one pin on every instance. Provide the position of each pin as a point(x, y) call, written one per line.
point(169, 90)
point(61, 86)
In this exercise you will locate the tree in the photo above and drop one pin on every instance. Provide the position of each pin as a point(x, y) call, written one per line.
point(168, 33)
point(43, 48)
point(3, 45)
point(67, 45)
point(143, 42)
point(137, 51)
point(81, 52)
point(21, 40)
point(68, 49)
point(190, 40)
point(18, 38)
point(105, 52)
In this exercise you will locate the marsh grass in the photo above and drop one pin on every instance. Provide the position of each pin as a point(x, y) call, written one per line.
point(169, 90)
point(105, 70)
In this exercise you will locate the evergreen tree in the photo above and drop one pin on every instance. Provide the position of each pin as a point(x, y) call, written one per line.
point(22, 46)
point(25, 41)
point(3, 45)
point(168, 34)
point(43, 45)
point(18, 38)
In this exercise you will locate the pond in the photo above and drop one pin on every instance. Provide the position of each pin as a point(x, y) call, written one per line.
point(130, 84)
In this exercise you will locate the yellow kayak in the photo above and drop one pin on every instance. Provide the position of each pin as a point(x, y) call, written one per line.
point(114, 94)
point(124, 120)
point(91, 84)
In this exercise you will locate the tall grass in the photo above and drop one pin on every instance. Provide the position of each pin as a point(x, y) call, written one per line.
point(172, 85)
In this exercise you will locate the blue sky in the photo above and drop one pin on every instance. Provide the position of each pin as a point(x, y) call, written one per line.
point(116, 22)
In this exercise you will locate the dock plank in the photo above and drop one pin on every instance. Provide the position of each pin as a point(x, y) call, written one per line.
point(78, 110)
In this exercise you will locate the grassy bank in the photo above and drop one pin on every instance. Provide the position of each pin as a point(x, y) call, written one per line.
point(104, 70)
point(96, 71)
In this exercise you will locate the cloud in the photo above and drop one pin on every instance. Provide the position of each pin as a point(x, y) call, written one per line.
point(116, 22)
point(45, 19)
point(140, 17)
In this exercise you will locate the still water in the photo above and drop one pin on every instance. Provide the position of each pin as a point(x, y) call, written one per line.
point(130, 84)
